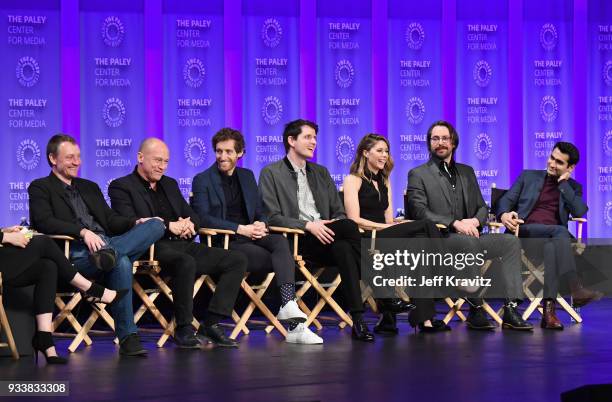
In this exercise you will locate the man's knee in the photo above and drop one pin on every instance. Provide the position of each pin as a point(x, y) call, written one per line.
point(560, 232)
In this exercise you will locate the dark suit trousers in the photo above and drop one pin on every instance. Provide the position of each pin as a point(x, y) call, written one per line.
point(271, 251)
point(344, 253)
point(185, 260)
point(424, 306)
point(554, 242)
point(38, 264)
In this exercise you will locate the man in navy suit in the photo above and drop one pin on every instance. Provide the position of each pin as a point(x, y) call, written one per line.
point(226, 197)
point(544, 199)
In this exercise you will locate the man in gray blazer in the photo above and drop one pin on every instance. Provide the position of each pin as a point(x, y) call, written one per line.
point(302, 195)
point(544, 199)
point(447, 192)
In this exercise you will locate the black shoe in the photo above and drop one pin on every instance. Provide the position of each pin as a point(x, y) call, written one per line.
point(216, 335)
point(130, 346)
point(478, 320)
point(436, 326)
point(513, 320)
point(94, 294)
point(185, 338)
point(104, 259)
point(387, 324)
point(361, 332)
point(396, 306)
point(43, 341)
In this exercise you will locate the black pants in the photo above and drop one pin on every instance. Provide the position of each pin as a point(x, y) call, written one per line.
point(425, 306)
point(271, 251)
point(345, 253)
point(184, 260)
point(39, 264)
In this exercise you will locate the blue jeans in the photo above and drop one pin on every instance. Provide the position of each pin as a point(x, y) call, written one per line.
point(128, 248)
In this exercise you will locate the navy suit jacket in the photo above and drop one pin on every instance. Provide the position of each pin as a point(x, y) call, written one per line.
point(526, 190)
point(209, 199)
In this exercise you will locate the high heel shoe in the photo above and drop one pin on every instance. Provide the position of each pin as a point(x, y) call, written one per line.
point(43, 341)
point(94, 294)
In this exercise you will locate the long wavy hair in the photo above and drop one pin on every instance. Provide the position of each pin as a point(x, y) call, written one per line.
point(360, 162)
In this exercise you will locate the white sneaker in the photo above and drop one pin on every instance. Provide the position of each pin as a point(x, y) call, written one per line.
point(291, 312)
point(302, 334)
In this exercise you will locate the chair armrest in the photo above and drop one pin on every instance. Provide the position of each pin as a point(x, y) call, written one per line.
point(581, 220)
point(284, 230)
point(59, 237)
point(210, 232)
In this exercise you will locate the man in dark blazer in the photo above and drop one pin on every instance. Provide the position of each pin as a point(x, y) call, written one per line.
point(64, 204)
point(544, 200)
point(148, 192)
point(226, 197)
point(447, 192)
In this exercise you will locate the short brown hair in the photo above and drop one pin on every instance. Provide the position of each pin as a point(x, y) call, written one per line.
point(54, 144)
point(228, 133)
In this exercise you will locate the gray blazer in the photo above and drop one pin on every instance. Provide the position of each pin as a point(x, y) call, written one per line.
point(428, 198)
point(278, 187)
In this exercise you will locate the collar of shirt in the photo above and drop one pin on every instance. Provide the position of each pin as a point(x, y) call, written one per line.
point(145, 183)
point(296, 168)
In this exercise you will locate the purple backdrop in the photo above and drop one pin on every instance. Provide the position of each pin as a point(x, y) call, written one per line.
point(482, 94)
point(30, 91)
point(271, 78)
point(193, 86)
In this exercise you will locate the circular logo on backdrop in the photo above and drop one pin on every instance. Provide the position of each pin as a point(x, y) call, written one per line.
point(607, 72)
point(608, 213)
point(607, 143)
point(28, 71)
point(549, 109)
point(415, 35)
point(193, 72)
point(483, 146)
point(548, 36)
point(415, 110)
point(28, 154)
point(344, 73)
point(113, 112)
point(271, 32)
point(112, 31)
point(345, 149)
point(482, 73)
point(272, 110)
point(195, 151)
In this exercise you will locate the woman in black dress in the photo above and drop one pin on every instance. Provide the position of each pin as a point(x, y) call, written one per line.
point(368, 202)
point(36, 260)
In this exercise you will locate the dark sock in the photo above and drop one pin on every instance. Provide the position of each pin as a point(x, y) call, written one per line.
point(292, 326)
point(287, 292)
point(357, 315)
point(212, 319)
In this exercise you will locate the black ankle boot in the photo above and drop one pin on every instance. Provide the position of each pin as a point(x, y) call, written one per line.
point(43, 341)
point(387, 324)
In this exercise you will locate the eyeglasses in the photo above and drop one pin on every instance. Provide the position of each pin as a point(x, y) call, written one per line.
point(440, 139)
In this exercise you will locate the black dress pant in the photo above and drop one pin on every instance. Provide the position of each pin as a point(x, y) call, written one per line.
point(185, 260)
point(271, 251)
point(344, 253)
point(424, 304)
point(39, 264)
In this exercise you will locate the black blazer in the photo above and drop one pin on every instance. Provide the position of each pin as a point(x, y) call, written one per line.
point(209, 198)
point(130, 198)
point(51, 211)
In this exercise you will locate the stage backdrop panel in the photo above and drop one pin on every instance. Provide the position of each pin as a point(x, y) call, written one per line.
point(194, 92)
point(599, 123)
point(271, 73)
point(112, 88)
point(30, 90)
point(415, 85)
point(344, 82)
point(482, 91)
point(547, 78)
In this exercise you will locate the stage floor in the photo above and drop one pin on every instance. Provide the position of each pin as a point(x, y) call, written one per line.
point(460, 365)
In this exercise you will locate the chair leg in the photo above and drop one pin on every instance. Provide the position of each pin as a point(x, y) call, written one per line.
point(7, 329)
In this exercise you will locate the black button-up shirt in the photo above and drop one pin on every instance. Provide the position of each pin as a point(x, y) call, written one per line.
point(234, 199)
point(161, 205)
point(81, 210)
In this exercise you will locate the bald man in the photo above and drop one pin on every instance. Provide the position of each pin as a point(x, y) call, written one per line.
point(148, 192)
